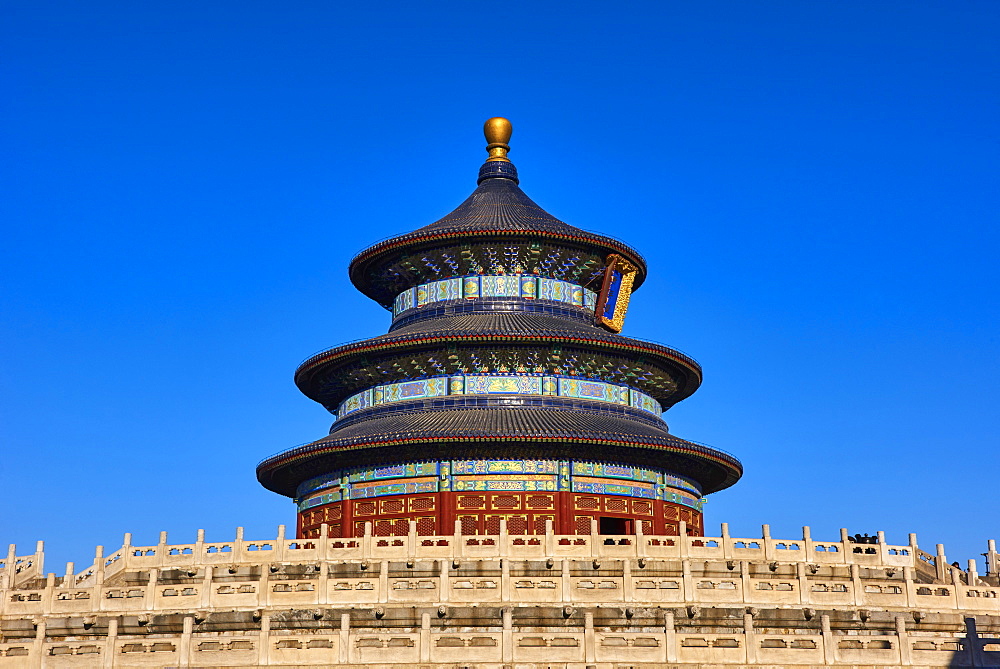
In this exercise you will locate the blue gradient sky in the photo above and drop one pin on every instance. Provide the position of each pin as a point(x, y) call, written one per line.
point(813, 185)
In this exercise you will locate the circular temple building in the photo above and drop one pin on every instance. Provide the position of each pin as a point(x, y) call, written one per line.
point(503, 389)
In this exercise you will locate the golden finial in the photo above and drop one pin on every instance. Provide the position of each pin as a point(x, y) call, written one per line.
point(497, 131)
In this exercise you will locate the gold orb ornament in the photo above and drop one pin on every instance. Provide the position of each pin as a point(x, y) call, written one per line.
point(497, 131)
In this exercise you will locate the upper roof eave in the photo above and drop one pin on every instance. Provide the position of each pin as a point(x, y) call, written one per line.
point(497, 208)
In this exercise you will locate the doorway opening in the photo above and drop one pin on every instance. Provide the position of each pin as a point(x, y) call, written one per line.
point(609, 525)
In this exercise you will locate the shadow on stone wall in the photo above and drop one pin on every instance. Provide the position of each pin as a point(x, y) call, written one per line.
point(976, 650)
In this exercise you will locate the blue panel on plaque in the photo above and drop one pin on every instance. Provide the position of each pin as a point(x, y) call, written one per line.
point(613, 289)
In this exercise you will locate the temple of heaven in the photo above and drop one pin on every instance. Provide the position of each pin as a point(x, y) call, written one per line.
point(503, 389)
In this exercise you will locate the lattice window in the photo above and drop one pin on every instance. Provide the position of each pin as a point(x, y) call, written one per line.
point(492, 525)
point(539, 523)
point(587, 503)
point(670, 528)
point(470, 524)
point(393, 506)
point(517, 525)
point(540, 501)
point(364, 508)
point(427, 526)
point(472, 502)
point(383, 528)
point(506, 502)
point(616, 505)
point(334, 530)
point(422, 504)
point(333, 512)
point(670, 512)
point(642, 508)
point(647, 526)
point(582, 524)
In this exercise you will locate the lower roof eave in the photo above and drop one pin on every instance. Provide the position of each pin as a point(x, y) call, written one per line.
point(283, 472)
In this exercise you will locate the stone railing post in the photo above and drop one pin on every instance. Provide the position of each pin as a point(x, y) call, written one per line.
point(670, 634)
point(628, 587)
point(941, 562)
point(49, 594)
point(126, 550)
point(903, 641)
point(38, 561)
point(367, 541)
point(596, 545)
point(9, 567)
point(345, 638)
point(829, 643)
point(856, 584)
point(805, 592)
point(264, 640)
point(745, 582)
point(98, 566)
point(504, 538)
point(383, 581)
point(507, 636)
point(39, 645)
point(444, 579)
point(110, 642)
point(161, 549)
point(411, 540)
point(206, 586)
point(239, 550)
point(505, 582)
point(992, 558)
point(589, 638)
point(184, 647)
point(149, 601)
point(425, 637)
point(751, 638)
point(973, 574)
point(911, 589)
point(766, 543)
point(279, 545)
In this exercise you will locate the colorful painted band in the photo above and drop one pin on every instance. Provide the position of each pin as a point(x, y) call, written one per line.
point(518, 286)
point(499, 475)
point(500, 384)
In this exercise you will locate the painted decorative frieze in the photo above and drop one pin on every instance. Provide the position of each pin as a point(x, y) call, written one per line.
point(515, 286)
point(575, 476)
point(500, 384)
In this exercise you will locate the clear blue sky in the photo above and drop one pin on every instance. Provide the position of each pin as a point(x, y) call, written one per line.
point(813, 184)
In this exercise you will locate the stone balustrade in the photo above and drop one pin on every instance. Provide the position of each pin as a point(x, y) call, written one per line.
point(489, 601)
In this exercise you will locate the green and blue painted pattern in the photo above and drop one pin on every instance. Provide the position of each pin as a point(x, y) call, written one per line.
point(499, 384)
point(518, 286)
point(499, 475)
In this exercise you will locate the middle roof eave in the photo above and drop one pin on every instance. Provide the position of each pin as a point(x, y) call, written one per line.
point(505, 329)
